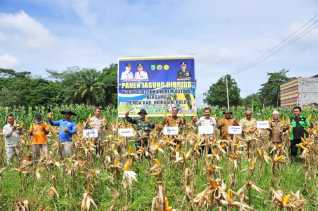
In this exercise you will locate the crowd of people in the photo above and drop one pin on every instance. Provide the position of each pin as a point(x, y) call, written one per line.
point(39, 130)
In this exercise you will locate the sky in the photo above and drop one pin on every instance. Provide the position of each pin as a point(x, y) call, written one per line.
point(224, 36)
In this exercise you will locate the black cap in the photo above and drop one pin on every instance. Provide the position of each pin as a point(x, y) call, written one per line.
point(183, 63)
point(140, 65)
point(227, 112)
point(37, 116)
point(68, 112)
point(142, 111)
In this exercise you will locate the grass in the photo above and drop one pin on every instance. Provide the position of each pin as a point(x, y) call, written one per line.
point(108, 193)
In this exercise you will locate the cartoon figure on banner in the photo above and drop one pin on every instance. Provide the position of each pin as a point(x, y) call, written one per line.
point(184, 73)
point(127, 75)
point(141, 74)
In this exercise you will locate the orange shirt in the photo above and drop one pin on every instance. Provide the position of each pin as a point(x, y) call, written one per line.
point(172, 122)
point(39, 133)
point(223, 125)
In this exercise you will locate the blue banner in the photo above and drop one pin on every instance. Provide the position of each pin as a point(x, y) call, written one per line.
point(156, 84)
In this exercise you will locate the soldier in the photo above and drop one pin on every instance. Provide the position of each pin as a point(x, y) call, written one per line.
point(143, 127)
point(184, 73)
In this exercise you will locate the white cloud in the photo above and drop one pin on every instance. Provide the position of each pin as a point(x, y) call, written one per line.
point(23, 29)
point(7, 61)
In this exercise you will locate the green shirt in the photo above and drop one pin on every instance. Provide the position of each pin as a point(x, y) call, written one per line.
point(298, 127)
point(143, 127)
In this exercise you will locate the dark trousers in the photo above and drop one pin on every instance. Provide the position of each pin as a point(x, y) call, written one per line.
point(293, 147)
point(141, 142)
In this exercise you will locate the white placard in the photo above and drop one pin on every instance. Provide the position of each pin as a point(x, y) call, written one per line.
point(170, 131)
point(235, 130)
point(262, 124)
point(126, 132)
point(90, 133)
point(206, 130)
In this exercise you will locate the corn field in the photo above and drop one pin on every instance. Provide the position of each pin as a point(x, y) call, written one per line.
point(237, 175)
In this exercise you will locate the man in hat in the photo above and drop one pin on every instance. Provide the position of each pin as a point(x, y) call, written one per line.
point(127, 75)
point(38, 132)
point(225, 123)
point(67, 130)
point(11, 132)
point(183, 73)
point(141, 74)
point(276, 128)
point(97, 122)
point(248, 125)
point(143, 127)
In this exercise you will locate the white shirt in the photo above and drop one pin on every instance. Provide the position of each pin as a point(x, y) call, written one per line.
point(203, 121)
point(127, 76)
point(11, 137)
point(140, 76)
point(97, 123)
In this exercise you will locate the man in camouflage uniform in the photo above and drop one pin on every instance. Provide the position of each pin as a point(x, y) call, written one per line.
point(184, 74)
point(143, 128)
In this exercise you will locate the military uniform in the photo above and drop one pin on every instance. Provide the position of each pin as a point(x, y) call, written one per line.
point(143, 128)
point(184, 75)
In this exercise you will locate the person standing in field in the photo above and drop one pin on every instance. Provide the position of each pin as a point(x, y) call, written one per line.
point(225, 123)
point(206, 120)
point(67, 130)
point(276, 129)
point(248, 125)
point(11, 133)
point(174, 120)
point(38, 133)
point(298, 126)
point(97, 122)
point(143, 127)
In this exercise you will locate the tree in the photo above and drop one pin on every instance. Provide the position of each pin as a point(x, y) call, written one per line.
point(74, 85)
point(252, 101)
point(88, 86)
point(216, 94)
point(269, 93)
point(109, 81)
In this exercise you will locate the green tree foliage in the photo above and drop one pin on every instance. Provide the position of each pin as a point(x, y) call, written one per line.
point(269, 92)
point(216, 94)
point(252, 101)
point(74, 85)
